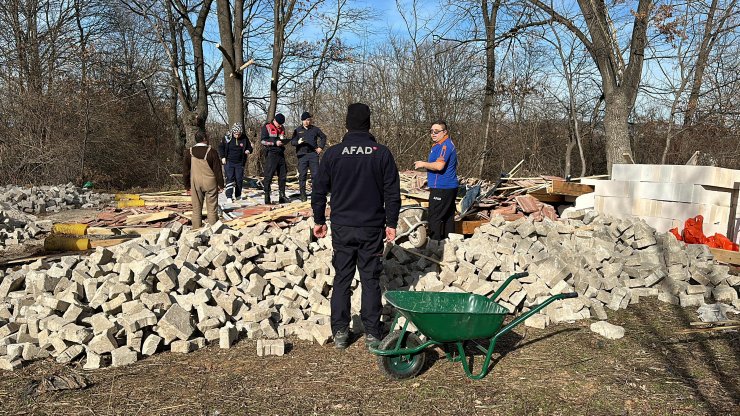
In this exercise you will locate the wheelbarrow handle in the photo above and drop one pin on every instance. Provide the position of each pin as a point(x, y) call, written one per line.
point(506, 283)
point(570, 295)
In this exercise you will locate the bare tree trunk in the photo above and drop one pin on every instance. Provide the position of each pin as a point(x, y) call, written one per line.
point(278, 50)
point(709, 38)
point(568, 150)
point(195, 117)
point(83, 36)
point(230, 29)
point(620, 80)
point(701, 64)
point(616, 128)
point(489, 92)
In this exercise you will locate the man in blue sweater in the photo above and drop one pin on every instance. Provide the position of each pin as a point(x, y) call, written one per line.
point(363, 180)
point(442, 180)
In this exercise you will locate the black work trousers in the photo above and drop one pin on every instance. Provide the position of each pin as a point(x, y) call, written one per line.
point(441, 213)
point(306, 162)
point(275, 163)
point(358, 248)
point(234, 179)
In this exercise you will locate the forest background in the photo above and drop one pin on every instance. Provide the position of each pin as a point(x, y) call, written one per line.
point(112, 91)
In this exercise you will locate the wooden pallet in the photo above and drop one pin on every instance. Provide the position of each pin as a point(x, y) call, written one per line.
point(726, 256)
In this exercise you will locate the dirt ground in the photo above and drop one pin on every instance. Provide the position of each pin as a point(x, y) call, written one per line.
point(563, 370)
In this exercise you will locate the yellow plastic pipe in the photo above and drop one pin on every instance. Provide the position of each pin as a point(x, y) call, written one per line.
point(59, 243)
point(120, 197)
point(126, 203)
point(70, 229)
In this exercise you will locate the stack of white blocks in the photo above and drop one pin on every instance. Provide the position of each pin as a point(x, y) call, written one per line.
point(665, 196)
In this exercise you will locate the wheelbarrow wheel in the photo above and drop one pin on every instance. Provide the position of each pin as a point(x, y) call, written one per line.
point(418, 237)
point(401, 367)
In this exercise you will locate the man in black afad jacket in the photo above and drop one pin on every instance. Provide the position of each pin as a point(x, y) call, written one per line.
point(233, 149)
point(363, 180)
point(309, 141)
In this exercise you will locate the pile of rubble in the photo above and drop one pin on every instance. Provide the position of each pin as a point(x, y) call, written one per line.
point(611, 263)
point(173, 291)
point(41, 199)
point(17, 227)
point(181, 290)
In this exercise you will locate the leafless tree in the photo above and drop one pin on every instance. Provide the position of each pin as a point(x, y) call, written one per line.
point(620, 77)
point(720, 18)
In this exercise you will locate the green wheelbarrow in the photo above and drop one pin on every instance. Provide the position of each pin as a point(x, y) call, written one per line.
point(448, 320)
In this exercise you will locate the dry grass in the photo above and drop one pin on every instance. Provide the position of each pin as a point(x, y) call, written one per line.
point(563, 370)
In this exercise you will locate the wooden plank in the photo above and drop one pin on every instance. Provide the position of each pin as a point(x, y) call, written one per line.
point(545, 197)
point(570, 188)
point(421, 196)
point(26, 260)
point(270, 215)
point(725, 256)
point(100, 231)
point(113, 231)
point(145, 218)
point(166, 198)
point(108, 242)
point(468, 227)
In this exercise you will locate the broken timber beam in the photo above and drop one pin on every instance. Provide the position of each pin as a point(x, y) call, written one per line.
point(569, 188)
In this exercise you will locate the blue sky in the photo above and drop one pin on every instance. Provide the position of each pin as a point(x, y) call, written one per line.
point(387, 20)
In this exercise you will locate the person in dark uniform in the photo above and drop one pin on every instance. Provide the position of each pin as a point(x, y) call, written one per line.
point(442, 181)
point(273, 138)
point(233, 149)
point(364, 183)
point(309, 141)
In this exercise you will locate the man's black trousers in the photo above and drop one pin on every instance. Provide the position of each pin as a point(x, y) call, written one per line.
point(361, 248)
point(234, 179)
point(441, 213)
point(275, 163)
point(306, 162)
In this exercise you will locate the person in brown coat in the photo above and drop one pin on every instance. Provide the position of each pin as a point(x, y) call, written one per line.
point(203, 179)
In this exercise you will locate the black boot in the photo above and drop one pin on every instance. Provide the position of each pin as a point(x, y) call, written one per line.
point(283, 199)
point(267, 199)
point(302, 187)
point(304, 198)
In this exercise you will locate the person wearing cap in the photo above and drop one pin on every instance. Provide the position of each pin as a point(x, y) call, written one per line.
point(309, 141)
point(442, 180)
point(364, 183)
point(234, 149)
point(273, 138)
point(203, 179)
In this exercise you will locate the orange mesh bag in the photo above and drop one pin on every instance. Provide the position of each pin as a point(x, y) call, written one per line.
point(720, 241)
point(693, 232)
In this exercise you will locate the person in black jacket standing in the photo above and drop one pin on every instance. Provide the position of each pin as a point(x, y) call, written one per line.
point(273, 138)
point(364, 183)
point(309, 141)
point(233, 149)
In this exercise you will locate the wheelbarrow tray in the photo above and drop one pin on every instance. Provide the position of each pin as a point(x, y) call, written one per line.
point(449, 316)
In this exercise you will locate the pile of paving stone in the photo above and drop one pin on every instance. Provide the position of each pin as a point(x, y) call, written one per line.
point(610, 263)
point(181, 290)
point(17, 227)
point(173, 291)
point(41, 199)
